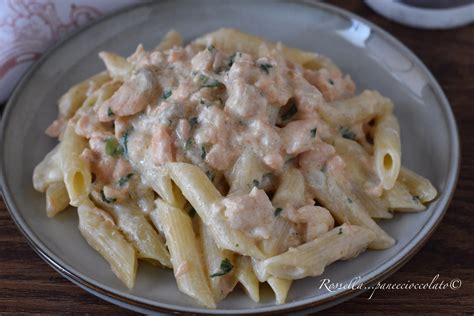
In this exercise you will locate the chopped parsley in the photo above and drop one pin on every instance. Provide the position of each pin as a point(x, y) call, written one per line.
point(166, 94)
point(313, 132)
point(347, 133)
point(105, 199)
point(210, 175)
point(225, 267)
point(203, 152)
point(123, 180)
point(110, 112)
point(232, 58)
point(340, 231)
point(112, 147)
point(266, 68)
point(188, 143)
point(349, 200)
point(207, 82)
point(256, 183)
point(277, 211)
point(124, 140)
point(193, 121)
point(291, 111)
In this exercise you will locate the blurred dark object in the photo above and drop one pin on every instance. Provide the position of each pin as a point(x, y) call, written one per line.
point(437, 4)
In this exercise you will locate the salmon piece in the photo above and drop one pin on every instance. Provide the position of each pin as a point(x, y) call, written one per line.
point(132, 97)
point(299, 136)
point(312, 221)
point(56, 128)
point(245, 100)
point(316, 158)
point(162, 145)
point(307, 96)
point(220, 157)
point(332, 84)
point(251, 213)
point(274, 82)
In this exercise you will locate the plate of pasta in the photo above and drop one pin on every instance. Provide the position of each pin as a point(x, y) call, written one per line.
point(231, 164)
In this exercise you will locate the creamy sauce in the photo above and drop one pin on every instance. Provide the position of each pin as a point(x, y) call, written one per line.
point(206, 107)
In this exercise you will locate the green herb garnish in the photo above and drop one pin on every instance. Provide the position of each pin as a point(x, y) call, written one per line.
point(110, 112)
point(277, 211)
point(225, 267)
point(209, 82)
point(188, 143)
point(347, 133)
point(124, 140)
point(210, 175)
point(265, 68)
point(124, 179)
point(105, 199)
point(193, 121)
point(349, 200)
point(166, 94)
point(256, 183)
point(112, 147)
point(313, 132)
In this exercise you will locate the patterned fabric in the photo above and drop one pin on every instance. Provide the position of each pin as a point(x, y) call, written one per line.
point(28, 27)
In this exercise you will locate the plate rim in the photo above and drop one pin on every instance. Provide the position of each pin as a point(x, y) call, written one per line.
point(55, 262)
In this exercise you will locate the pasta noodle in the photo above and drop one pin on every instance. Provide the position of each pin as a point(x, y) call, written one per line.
point(231, 159)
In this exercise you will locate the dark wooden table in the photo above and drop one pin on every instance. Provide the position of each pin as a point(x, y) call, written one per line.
point(29, 285)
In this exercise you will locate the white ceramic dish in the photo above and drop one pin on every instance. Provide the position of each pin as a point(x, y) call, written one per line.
point(372, 57)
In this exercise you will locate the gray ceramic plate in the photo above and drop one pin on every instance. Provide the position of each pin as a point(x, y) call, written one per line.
point(373, 58)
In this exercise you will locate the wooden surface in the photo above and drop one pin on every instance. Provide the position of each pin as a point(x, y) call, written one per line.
point(27, 284)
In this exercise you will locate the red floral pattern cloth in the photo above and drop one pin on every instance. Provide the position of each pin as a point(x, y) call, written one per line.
point(28, 27)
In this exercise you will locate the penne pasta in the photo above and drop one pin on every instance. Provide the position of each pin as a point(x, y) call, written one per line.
point(101, 233)
point(204, 197)
point(361, 108)
point(117, 66)
point(280, 287)
point(171, 39)
point(185, 254)
point(247, 278)
point(387, 150)
point(76, 172)
point(247, 170)
point(48, 171)
point(220, 265)
point(138, 231)
point(57, 198)
point(310, 259)
point(72, 100)
point(335, 199)
point(400, 199)
point(420, 187)
point(231, 40)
